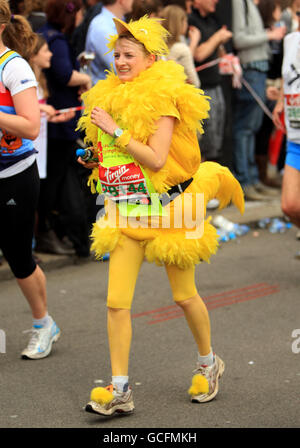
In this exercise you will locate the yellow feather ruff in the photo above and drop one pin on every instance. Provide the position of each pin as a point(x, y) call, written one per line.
point(101, 395)
point(199, 385)
point(136, 106)
point(148, 31)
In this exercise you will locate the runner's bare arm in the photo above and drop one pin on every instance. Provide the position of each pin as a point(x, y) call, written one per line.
point(26, 122)
point(152, 155)
point(278, 108)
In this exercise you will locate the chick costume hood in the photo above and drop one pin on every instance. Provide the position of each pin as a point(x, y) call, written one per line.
point(136, 106)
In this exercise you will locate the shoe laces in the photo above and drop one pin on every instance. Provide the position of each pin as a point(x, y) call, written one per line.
point(34, 338)
point(204, 370)
point(40, 336)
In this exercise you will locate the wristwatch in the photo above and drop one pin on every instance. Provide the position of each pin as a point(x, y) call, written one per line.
point(118, 132)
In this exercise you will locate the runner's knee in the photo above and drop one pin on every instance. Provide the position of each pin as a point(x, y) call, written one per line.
point(119, 303)
point(184, 303)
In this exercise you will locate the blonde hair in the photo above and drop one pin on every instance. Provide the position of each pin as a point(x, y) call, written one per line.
point(18, 34)
point(173, 16)
point(128, 36)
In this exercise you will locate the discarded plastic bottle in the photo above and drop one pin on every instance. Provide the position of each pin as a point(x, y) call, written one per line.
point(277, 226)
point(241, 229)
point(224, 235)
point(86, 155)
point(223, 223)
point(231, 235)
point(264, 223)
point(228, 226)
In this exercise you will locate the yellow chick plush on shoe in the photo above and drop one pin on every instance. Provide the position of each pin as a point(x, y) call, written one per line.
point(102, 395)
point(199, 385)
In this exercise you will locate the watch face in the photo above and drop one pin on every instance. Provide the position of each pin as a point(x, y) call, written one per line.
point(118, 132)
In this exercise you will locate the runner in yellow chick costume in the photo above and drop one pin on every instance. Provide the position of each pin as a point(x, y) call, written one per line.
point(142, 123)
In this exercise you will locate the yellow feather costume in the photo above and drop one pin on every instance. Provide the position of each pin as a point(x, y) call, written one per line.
point(161, 90)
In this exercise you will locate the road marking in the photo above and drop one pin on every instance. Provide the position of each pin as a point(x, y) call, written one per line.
point(214, 301)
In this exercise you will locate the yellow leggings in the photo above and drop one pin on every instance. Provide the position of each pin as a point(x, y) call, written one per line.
point(124, 265)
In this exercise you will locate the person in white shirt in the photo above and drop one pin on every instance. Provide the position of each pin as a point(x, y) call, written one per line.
point(19, 179)
point(101, 27)
point(289, 101)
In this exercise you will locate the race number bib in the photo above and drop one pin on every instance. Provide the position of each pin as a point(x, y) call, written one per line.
point(293, 109)
point(124, 182)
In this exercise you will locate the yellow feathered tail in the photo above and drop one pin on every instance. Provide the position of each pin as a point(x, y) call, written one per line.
point(216, 181)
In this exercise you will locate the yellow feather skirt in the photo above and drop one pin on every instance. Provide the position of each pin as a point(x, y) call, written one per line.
point(184, 237)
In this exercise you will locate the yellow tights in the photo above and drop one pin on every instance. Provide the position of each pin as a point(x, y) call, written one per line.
point(124, 265)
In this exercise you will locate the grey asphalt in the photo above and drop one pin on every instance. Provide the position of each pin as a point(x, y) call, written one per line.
point(252, 289)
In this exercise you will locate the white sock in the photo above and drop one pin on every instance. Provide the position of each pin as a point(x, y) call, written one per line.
point(207, 360)
point(120, 383)
point(43, 322)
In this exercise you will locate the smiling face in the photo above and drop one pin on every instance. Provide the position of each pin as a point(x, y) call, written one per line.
point(131, 59)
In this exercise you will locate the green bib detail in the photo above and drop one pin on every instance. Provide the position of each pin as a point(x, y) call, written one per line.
point(125, 182)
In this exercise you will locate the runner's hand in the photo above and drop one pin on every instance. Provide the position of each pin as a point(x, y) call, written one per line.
point(278, 109)
point(103, 120)
point(89, 165)
point(61, 118)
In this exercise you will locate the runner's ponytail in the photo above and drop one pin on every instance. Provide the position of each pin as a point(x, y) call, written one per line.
point(18, 34)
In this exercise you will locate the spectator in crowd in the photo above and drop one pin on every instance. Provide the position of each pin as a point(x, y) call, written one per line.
point(142, 7)
point(101, 27)
point(212, 40)
point(270, 12)
point(290, 200)
point(39, 61)
point(250, 39)
point(61, 205)
point(223, 15)
point(289, 16)
point(35, 14)
point(19, 179)
point(92, 9)
point(176, 22)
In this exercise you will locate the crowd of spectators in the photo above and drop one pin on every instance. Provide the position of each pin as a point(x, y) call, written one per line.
point(201, 32)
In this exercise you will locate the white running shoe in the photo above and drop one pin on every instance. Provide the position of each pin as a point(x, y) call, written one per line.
point(205, 382)
point(40, 343)
point(107, 400)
